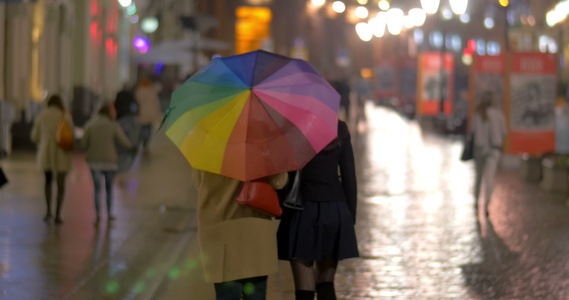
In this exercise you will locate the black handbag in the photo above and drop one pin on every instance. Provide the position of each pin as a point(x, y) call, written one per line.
point(3, 179)
point(468, 150)
point(290, 194)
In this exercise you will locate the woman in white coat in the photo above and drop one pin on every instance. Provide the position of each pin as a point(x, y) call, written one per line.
point(52, 160)
point(489, 130)
point(148, 109)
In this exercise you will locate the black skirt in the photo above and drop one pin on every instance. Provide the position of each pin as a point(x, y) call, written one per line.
point(323, 230)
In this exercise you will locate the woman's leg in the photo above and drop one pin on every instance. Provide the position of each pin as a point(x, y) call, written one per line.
point(490, 168)
point(304, 281)
point(109, 182)
point(47, 192)
point(60, 196)
point(230, 290)
point(254, 288)
point(325, 272)
point(479, 169)
point(97, 187)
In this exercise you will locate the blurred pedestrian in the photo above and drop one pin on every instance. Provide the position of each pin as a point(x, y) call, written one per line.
point(148, 109)
point(52, 159)
point(316, 238)
point(125, 103)
point(489, 130)
point(101, 155)
point(126, 115)
point(238, 243)
point(343, 88)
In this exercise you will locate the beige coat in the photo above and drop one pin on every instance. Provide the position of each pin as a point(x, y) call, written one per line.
point(50, 157)
point(99, 140)
point(148, 105)
point(236, 242)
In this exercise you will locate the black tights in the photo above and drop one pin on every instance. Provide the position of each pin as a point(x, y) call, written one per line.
point(60, 191)
point(310, 276)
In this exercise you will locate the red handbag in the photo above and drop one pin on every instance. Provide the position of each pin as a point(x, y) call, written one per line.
point(261, 197)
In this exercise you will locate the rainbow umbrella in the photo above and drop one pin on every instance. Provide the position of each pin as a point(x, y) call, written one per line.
point(253, 115)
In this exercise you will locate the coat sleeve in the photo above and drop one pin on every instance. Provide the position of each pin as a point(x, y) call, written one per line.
point(121, 137)
point(85, 138)
point(36, 131)
point(348, 170)
point(278, 181)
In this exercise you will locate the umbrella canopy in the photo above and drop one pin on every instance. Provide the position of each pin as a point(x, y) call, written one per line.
point(253, 115)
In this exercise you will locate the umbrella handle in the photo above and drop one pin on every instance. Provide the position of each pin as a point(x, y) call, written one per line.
point(166, 114)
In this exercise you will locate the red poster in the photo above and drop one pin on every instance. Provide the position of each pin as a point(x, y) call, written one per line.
point(435, 83)
point(531, 107)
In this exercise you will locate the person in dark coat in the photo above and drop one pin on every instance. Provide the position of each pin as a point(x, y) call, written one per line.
point(321, 234)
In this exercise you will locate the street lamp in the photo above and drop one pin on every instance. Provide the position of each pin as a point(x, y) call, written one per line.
point(339, 7)
point(418, 15)
point(430, 6)
point(362, 12)
point(384, 5)
point(458, 6)
point(318, 2)
point(125, 3)
point(364, 31)
point(394, 18)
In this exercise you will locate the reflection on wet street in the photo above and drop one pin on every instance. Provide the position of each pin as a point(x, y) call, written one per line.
point(416, 225)
point(418, 234)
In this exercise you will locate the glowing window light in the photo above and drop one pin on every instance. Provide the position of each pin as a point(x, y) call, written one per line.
point(552, 46)
point(454, 42)
point(458, 6)
point(377, 26)
point(125, 3)
point(480, 47)
point(489, 23)
point(395, 21)
point(339, 7)
point(362, 12)
point(362, 2)
point(436, 39)
point(447, 14)
point(384, 5)
point(418, 35)
point(318, 2)
point(418, 15)
point(531, 20)
point(430, 6)
point(543, 42)
point(465, 18)
point(493, 48)
point(364, 32)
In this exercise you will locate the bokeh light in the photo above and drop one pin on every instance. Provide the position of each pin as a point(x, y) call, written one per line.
point(362, 12)
point(112, 287)
point(339, 7)
point(418, 15)
point(395, 21)
point(465, 18)
point(384, 5)
point(364, 31)
point(430, 6)
point(318, 2)
point(458, 6)
point(489, 23)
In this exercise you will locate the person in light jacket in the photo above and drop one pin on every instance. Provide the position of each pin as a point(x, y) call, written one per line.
point(316, 238)
point(101, 154)
point(489, 130)
point(51, 159)
point(238, 244)
point(148, 109)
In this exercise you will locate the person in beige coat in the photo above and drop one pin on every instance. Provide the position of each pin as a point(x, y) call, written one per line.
point(50, 157)
point(148, 109)
point(238, 244)
point(101, 154)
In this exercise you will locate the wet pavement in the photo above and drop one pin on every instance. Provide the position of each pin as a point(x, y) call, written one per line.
point(418, 233)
